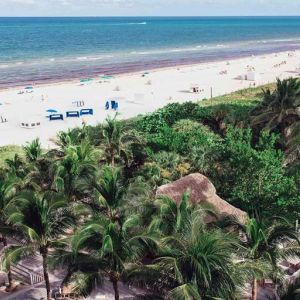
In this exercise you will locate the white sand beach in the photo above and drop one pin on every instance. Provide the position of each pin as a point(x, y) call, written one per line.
point(136, 94)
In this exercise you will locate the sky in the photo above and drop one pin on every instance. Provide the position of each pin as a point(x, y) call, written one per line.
point(148, 7)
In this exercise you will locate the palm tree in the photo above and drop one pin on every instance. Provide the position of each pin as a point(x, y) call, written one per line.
point(117, 142)
point(100, 249)
point(70, 137)
point(279, 110)
point(172, 218)
point(110, 193)
point(16, 166)
point(43, 218)
point(78, 162)
point(33, 150)
point(264, 242)
point(193, 263)
point(202, 264)
point(8, 189)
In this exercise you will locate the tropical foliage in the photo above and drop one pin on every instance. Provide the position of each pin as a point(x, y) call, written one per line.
point(89, 205)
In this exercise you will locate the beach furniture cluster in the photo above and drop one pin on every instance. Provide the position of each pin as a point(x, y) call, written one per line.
point(78, 103)
point(3, 120)
point(113, 104)
point(27, 89)
point(251, 75)
point(195, 89)
point(280, 64)
point(71, 114)
point(30, 124)
point(86, 81)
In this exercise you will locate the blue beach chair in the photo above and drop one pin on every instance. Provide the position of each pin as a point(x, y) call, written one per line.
point(56, 117)
point(72, 114)
point(113, 103)
point(86, 111)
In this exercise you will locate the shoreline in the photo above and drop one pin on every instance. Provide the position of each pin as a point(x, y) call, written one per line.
point(136, 94)
point(137, 69)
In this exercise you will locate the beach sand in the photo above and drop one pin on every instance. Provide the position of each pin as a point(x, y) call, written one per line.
point(136, 94)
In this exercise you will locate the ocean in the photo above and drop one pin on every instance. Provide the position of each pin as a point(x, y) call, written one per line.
point(37, 50)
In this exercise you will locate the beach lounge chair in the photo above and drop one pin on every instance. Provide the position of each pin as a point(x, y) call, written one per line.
point(86, 111)
point(113, 103)
point(56, 117)
point(107, 105)
point(72, 114)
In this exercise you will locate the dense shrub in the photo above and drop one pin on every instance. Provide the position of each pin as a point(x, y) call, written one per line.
point(170, 114)
point(252, 177)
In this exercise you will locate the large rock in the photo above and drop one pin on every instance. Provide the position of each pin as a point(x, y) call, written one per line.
point(201, 190)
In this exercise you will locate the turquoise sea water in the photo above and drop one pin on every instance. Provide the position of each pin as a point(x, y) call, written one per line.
point(52, 49)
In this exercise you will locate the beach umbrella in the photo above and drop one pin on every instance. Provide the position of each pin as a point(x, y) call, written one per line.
point(29, 88)
point(107, 77)
point(86, 79)
point(51, 111)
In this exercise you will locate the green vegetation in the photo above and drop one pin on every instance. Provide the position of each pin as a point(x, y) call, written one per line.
point(89, 205)
point(8, 152)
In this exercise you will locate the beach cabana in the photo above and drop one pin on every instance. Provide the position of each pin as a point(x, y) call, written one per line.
point(251, 76)
point(194, 88)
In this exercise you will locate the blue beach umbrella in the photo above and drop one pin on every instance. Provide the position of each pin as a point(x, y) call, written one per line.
point(107, 77)
point(86, 79)
point(51, 111)
point(29, 88)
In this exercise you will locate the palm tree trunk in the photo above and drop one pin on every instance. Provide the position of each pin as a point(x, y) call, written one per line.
point(9, 274)
point(254, 289)
point(116, 289)
point(44, 252)
point(112, 159)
